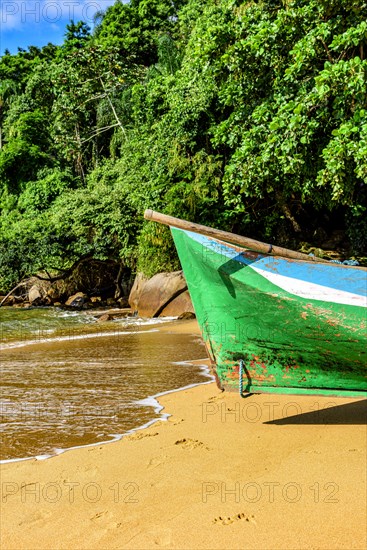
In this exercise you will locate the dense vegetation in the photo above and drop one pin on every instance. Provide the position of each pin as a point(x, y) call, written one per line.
point(248, 116)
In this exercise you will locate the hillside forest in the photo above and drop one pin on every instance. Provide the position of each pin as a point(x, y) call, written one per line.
point(246, 116)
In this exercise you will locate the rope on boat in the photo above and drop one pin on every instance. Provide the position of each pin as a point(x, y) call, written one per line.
point(240, 386)
point(346, 262)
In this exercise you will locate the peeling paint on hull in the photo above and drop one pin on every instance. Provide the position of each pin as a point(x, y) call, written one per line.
point(299, 327)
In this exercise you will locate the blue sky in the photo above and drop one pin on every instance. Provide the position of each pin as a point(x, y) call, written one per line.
point(36, 22)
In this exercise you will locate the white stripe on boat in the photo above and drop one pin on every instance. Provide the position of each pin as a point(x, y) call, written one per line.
point(298, 287)
point(312, 291)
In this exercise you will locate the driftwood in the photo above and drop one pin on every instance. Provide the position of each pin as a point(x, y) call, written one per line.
point(51, 279)
point(65, 273)
point(22, 283)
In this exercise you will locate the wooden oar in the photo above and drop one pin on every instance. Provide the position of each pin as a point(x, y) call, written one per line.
point(229, 237)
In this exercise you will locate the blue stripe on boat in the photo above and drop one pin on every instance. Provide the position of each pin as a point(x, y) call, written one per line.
point(330, 275)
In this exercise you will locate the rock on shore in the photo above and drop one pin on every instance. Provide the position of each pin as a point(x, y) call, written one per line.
point(164, 295)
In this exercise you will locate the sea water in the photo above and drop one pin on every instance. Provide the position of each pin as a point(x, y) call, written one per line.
point(68, 380)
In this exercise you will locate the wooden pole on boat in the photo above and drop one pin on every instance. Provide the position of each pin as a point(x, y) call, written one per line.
point(229, 237)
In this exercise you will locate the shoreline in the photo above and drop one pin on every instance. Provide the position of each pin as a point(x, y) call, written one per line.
point(169, 325)
point(150, 401)
point(219, 471)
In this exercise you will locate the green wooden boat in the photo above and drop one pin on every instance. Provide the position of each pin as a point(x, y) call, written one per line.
point(274, 320)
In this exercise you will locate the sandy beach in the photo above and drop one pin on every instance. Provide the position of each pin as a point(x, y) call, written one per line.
point(223, 472)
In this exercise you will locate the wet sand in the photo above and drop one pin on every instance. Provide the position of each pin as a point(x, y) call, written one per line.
point(265, 472)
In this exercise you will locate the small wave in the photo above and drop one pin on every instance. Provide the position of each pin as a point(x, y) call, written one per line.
point(132, 324)
point(150, 401)
point(72, 337)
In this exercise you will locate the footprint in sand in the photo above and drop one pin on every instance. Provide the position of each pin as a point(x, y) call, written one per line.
point(141, 436)
point(92, 471)
point(187, 443)
point(94, 449)
point(216, 397)
point(227, 520)
point(104, 515)
point(156, 461)
point(35, 517)
point(114, 525)
point(162, 537)
point(176, 422)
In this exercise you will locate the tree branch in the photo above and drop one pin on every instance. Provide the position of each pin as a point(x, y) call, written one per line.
point(100, 131)
point(65, 273)
point(22, 283)
point(286, 211)
point(112, 107)
point(327, 50)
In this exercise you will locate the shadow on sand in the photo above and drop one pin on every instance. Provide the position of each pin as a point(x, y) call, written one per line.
point(349, 413)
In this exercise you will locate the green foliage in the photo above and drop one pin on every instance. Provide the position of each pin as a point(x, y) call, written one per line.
point(76, 35)
point(249, 116)
point(39, 194)
point(24, 153)
point(153, 238)
point(27, 244)
point(134, 27)
point(294, 119)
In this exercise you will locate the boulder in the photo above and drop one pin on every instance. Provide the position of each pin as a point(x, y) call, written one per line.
point(179, 306)
point(105, 317)
point(123, 302)
point(136, 291)
point(77, 300)
point(53, 294)
point(158, 291)
point(187, 315)
point(25, 305)
point(34, 295)
point(113, 314)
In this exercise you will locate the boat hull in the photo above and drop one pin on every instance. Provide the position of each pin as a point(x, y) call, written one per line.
point(294, 326)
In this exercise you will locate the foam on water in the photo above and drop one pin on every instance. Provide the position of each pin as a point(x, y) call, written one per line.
point(70, 338)
point(151, 401)
point(69, 395)
point(131, 323)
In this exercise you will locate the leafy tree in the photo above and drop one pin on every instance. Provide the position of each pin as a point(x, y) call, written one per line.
point(134, 27)
point(296, 91)
point(242, 115)
point(24, 154)
point(7, 89)
point(76, 35)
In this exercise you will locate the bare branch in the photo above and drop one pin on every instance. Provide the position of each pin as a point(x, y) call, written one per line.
point(113, 108)
point(100, 131)
point(22, 283)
